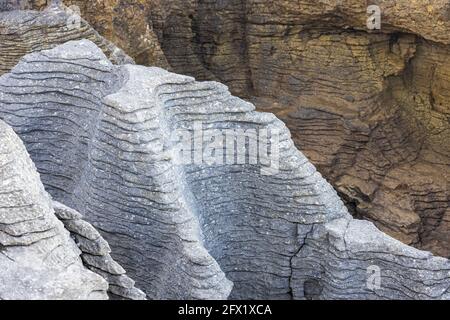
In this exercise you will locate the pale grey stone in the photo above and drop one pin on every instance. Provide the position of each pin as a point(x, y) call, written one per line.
point(105, 263)
point(65, 213)
point(82, 228)
point(96, 254)
point(97, 247)
point(42, 262)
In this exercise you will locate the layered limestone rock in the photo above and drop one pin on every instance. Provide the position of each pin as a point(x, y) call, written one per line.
point(38, 259)
point(125, 22)
point(344, 253)
point(72, 83)
point(95, 253)
point(368, 107)
point(102, 138)
point(359, 102)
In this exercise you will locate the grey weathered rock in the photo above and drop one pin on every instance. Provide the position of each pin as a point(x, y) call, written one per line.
point(340, 255)
point(95, 253)
point(100, 135)
point(38, 259)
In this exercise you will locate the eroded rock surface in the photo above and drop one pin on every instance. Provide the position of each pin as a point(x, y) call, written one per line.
point(38, 259)
point(100, 136)
point(125, 23)
point(369, 108)
point(23, 32)
point(95, 253)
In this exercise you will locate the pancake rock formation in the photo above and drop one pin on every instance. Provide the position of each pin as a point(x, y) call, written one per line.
point(95, 253)
point(369, 108)
point(39, 255)
point(38, 259)
point(101, 137)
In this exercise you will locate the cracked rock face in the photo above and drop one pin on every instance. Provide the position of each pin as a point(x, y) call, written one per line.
point(100, 136)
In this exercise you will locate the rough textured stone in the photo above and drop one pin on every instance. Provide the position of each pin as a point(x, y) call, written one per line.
point(123, 22)
point(369, 108)
point(77, 76)
point(95, 253)
point(103, 147)
point(38, 259)
point(22, 32)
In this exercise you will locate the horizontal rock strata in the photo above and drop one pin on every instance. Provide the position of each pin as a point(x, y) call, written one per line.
point(101, 137)
point(38, 259)
point(23, 32)
point(369, 108)
point(95, 253)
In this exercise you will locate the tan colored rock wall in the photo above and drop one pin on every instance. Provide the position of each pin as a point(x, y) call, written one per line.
point(124, 22)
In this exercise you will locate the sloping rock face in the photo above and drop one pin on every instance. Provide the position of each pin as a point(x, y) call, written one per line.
point(38, 259)
point(369, 108)
point(73, 80)
point(100, 136)
point(95, 253)
point(22, 32)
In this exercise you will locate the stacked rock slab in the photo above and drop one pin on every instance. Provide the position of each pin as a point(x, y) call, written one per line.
point(125, 22)
point(155, 247)
point(38, 259)
point(22, 32)
point(101, 137)
point(369, 108)
point(95, 253)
